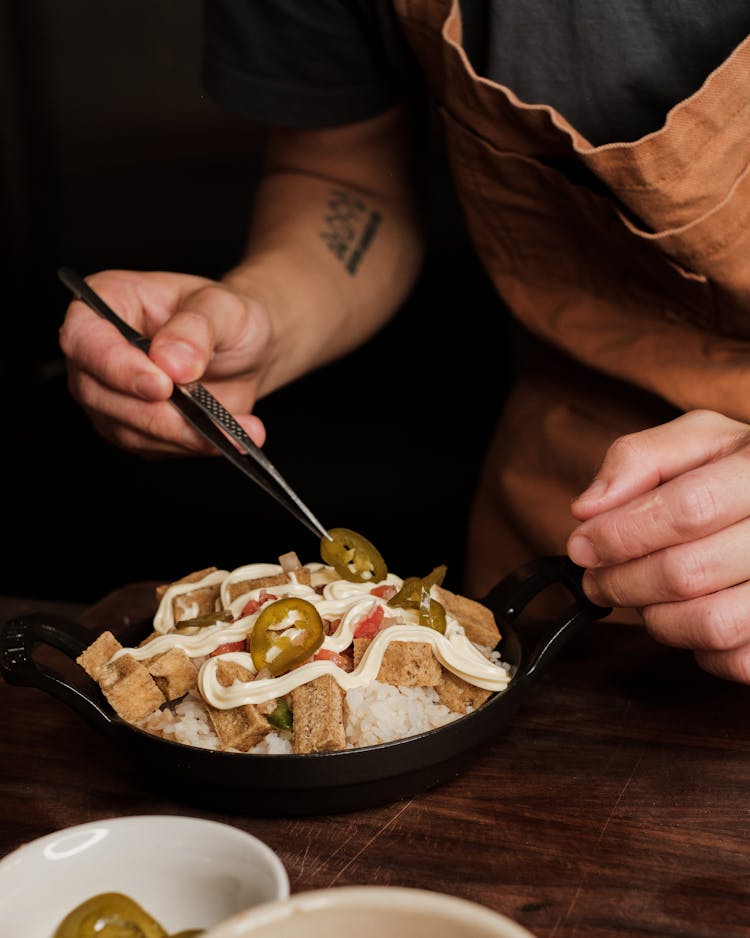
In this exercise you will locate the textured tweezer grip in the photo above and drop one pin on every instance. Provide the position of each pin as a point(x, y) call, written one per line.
point(275, 483)
point(219, 413)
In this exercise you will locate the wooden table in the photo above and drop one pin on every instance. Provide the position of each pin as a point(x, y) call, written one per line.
point(617, 803)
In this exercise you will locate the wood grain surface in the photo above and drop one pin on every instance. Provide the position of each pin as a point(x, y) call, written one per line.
point(617, 803)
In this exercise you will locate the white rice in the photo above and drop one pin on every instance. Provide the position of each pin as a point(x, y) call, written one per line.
point(380, 713)
point(186, 723)
point(377, 713)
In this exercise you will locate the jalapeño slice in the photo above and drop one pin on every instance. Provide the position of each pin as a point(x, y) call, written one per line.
point(281, 715)
point(109, 915)
point(431, 612)
point(202, 622)
point(353, 557)
point(410, 594)
point(286, 633)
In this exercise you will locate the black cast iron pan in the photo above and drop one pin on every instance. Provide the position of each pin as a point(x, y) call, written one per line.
point(321, 783)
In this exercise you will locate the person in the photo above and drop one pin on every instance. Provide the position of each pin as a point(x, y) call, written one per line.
point(600, 156)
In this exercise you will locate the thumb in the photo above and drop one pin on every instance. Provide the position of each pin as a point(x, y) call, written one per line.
point(206, 320)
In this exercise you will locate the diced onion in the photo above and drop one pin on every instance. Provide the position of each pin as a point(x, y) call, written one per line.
point(290, 562)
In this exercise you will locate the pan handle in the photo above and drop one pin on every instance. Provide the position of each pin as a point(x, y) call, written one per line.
point(18, 639)
point(514, 593)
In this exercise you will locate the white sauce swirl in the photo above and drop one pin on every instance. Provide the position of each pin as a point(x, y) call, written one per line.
point(340, 599)
point(164, 618)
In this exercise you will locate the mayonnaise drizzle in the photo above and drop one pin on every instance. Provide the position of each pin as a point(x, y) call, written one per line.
point(340, 599)
point(250, 571)
point(164, 618)
point(455, 652)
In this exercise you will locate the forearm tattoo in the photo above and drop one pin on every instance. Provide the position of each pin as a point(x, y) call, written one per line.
point(349, 227)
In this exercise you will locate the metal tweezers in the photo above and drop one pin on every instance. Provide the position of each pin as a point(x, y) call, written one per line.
point(201, 409)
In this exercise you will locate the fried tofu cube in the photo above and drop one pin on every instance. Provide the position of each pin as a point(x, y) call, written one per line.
point(93, 658)
point(174, 673)
point(227, 672)
point(477, 620)
point(239, 727)
point(190, 578)
point(265, 582)
point(130, 689)
point(408, 664)
point(194, 603)
point(457, 694)
point(359, 647)
point(198, 602)
point(318, 716)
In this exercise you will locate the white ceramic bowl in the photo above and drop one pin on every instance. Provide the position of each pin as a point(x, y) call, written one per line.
point(185, 872)
point(369, 912)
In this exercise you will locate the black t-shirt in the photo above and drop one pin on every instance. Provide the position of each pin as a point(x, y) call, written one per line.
point(612, 69)
point(305, 63)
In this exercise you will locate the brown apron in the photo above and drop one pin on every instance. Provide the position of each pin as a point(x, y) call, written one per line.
point(628, 264)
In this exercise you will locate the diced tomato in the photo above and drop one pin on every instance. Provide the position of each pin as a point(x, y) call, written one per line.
point(253, 605)
point(228, 646)
point(384, 591)
point(371, 624)
point(341, 661)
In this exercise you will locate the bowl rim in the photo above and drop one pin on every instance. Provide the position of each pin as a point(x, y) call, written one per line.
point(243, 923)
point(277, 869)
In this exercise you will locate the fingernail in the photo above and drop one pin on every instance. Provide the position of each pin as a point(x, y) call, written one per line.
point(581, 551)
point(592, 591)
point(150, 386)
point(597, 488)
point(178, 355)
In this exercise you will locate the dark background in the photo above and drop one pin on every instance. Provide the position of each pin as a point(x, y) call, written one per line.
point(114, 157)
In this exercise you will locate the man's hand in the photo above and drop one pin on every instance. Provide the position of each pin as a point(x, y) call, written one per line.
point(335, 245)
point(666, 530)
point(199, 329)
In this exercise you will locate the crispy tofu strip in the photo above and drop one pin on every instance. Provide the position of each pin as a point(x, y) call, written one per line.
point(129, 688)
point(131, 691)
point(264, 582)
point(409, 664)
point(198, 602)
point(190, 578)
point(476, 619)
point(174, 673)
point(98, 653)
point(457, 694)
point(318, 716)
point(241, 727)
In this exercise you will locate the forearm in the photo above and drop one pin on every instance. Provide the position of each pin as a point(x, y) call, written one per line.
point(335, 246)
